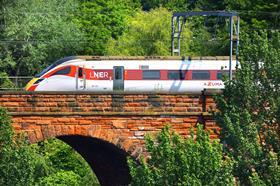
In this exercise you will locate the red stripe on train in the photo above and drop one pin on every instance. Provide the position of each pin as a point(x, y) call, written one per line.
point(134, 74)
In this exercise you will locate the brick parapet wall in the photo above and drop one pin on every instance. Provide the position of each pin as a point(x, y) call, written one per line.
point(105, 103)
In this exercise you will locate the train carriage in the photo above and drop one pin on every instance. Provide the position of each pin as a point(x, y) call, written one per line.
point(132, 74)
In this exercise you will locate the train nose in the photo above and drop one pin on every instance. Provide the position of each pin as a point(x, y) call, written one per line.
point(30, 83)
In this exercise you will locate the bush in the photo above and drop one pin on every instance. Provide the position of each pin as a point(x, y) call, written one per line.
point(62, 178)
point(5, 82)
point(177, 161)
point(17, 160)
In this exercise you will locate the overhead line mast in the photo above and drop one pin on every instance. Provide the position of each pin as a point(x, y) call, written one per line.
point(179, 20)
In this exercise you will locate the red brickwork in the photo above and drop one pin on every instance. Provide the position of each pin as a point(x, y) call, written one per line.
point(121, 119)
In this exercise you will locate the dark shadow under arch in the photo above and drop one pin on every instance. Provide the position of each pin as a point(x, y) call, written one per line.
point(108, 162)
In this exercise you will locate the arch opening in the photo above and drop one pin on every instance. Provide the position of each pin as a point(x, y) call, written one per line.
point(58, 163)
point(108, 162)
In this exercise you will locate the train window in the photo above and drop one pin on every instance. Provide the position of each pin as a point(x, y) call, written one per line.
point(80, 72)
point(200, 75)
point(63, 71)
point(151, 74)
point(118, 73)
point(221, 74)
point(176, 74)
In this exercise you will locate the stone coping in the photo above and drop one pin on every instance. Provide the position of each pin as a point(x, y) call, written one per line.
point(177, 114)
point(206, 92)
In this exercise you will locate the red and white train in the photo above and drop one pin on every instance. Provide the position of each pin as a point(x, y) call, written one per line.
point(137, 74)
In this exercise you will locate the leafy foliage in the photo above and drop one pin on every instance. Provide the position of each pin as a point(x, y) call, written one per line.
point(183, 5)
point(148, 34)
point(17, 160)
point(37, 33)
point(6, 131)
point(249, 111)
point(177, 161)
point(256, 14)
point(5, 82)
point(65, 162)
point(204, 43)
point(61, 178)
point(101, 20)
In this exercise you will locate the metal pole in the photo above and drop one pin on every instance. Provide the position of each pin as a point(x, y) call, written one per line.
point(237, 42)
point(176, 34)
point(172, 36)
point(231, 46)
point(179, 33)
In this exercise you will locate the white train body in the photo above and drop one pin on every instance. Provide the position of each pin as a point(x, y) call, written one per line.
point(132, 75)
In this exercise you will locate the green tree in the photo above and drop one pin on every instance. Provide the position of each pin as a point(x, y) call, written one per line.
point(249, 111)
point(5, 82)
point(209, 5)
point(148, 35)
point(101, 20)
point(184, 5)
point(37, 33)
point(6, 131)
point(177, 161)
point(19, 165)
point(256, 14)
point(205, 42)
point(175, 5)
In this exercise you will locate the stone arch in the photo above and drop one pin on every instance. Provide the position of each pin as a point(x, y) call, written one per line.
point(105, 151)
point(114, 136)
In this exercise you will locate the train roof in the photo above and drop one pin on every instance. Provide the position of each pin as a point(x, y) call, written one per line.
point(100, 58)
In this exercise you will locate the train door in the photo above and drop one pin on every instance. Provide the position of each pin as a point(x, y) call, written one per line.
point(80, 78)
point(118, 81)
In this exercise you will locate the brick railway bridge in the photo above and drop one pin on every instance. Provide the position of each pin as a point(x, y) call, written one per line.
point(105, 128)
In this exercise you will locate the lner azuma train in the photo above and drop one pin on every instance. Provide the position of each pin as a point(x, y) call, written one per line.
point(133, 74)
